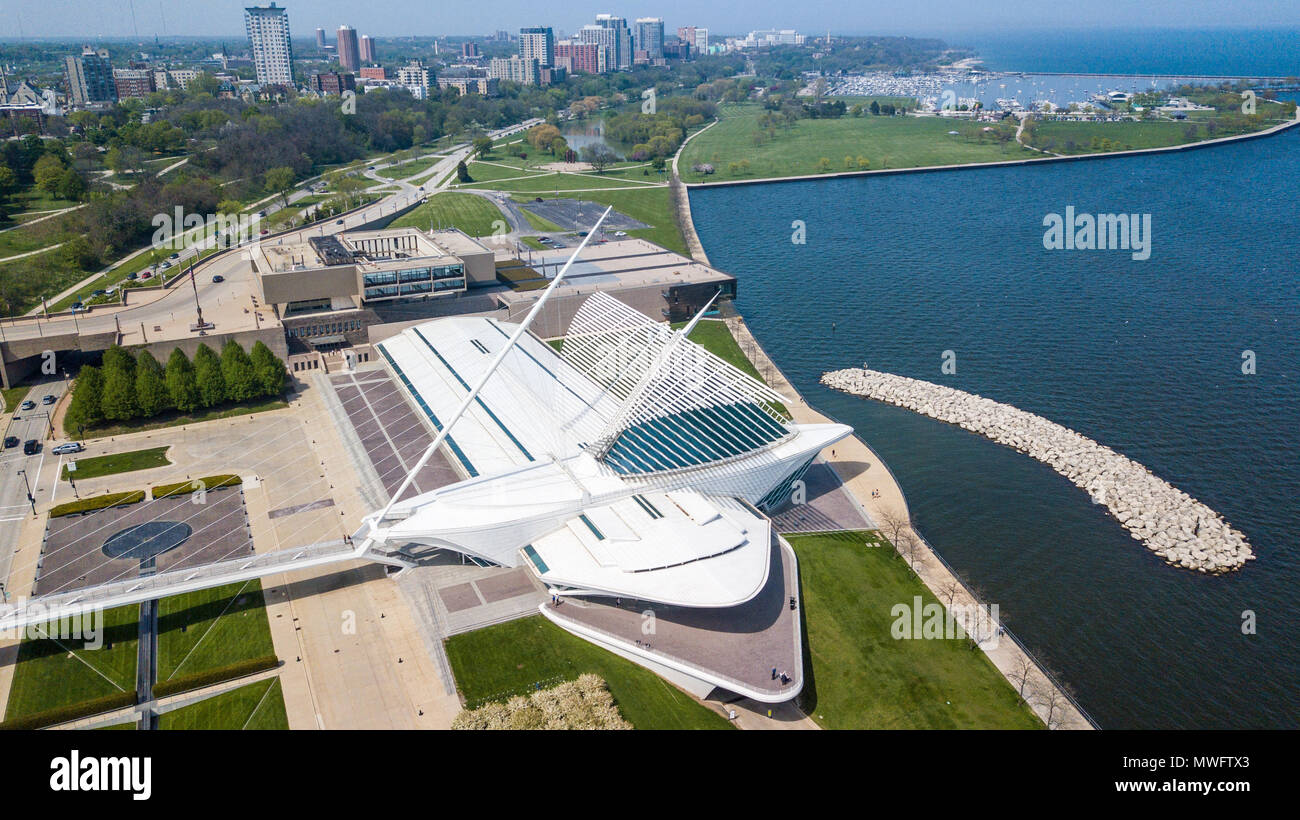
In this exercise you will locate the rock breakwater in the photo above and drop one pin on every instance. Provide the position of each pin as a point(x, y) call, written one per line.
point(1176, 527)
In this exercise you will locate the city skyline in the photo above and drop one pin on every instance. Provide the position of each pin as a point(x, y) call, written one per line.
point(116, 19)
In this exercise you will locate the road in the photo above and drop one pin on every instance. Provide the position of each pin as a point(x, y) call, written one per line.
point(14, 507)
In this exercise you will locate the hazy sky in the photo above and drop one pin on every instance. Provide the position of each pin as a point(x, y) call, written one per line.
point(113, 18)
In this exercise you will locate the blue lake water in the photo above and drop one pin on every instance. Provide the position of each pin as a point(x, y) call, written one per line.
point(1143, 356)
point(1269, 52)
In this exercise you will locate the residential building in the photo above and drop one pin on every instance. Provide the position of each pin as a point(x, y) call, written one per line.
point(90, 78)
point(537, 43)
point(648, 36)
point(515, 69)
point(604, 38)
point(165, 79)
point(701, 42)
point(333, 82)
point(349, 49)
point(469, 51)
point(374, 72)
point(582, 58)
point(622, 39)
point(367, 49)
point(132, 82)
point(414, 76)
point(268, 38)
point(484, 86)
point(320, 37)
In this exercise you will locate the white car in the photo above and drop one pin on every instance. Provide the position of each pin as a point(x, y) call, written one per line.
point(620, 233)
point(70, 447)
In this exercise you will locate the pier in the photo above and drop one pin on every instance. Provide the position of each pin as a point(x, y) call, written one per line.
point(1179, 529)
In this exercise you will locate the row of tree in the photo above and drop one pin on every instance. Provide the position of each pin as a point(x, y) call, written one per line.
point(130, 386)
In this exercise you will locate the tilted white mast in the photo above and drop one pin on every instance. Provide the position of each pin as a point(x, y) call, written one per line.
point(473, 394)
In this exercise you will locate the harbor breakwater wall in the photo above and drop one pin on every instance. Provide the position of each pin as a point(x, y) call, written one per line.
point(1176, 527)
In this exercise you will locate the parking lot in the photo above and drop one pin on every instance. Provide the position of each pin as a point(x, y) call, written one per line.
point(579, 215)
point(392, 436)
point(73, 555)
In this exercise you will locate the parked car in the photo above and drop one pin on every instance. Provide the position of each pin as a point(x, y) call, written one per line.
point(99, 293)
point(620, 233)
point(132, 275)
point(147, 275)
point(264, 232)
point(77, 306)
point(48, 399)
point(31, 447)
point(11, 441)
point(70, 447)
point(28, 404)
point(338, 222)
point(218, 278)
point(166, 265)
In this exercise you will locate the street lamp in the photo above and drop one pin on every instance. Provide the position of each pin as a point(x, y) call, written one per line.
point(31, 499)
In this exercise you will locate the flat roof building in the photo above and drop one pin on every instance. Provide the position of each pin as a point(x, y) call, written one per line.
point(349, 270)
point(268, 39)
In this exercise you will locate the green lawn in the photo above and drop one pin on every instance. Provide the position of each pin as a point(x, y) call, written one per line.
point(499, 661)
point(13, 396)
point(407, 169)
point(715, 336)
point(541, 183)
point(859, 676)
point(212, 628)
point(51, 673)
point(472, 214)
point(258, 705)
point(1077, 137)
point(539, 223)
point(173, 419)
point(887, 142)
point(653, 206)
point(97, 466)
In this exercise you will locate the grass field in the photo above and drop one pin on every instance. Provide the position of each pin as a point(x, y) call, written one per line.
point(212, 628)
point(407, 169)
point(541, 183)
point(173, 419)
point(51, 673)
point(510, 658)
point(859, 676)
point(97, 466)
point(1076, 137)
point(13, 396)
point(653, 206)
point(258, 705)
point(715, 336)
point(887, 142)
point(473, 214)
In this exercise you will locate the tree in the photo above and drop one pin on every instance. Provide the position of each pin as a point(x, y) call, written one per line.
point(1021, 671)
point(84, 408)
point(267, 369)
point(237, 370)
point(875, 107)
point(182, 389)
point(462, 172)
point(280, 180)
point(47, 173)
point(207, 375)
point(229, 207)
point(599, 157)
point(150, 390)
point(482, 146)
point(118, 401)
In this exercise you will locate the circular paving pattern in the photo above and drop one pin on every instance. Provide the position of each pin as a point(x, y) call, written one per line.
point(147, 540)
